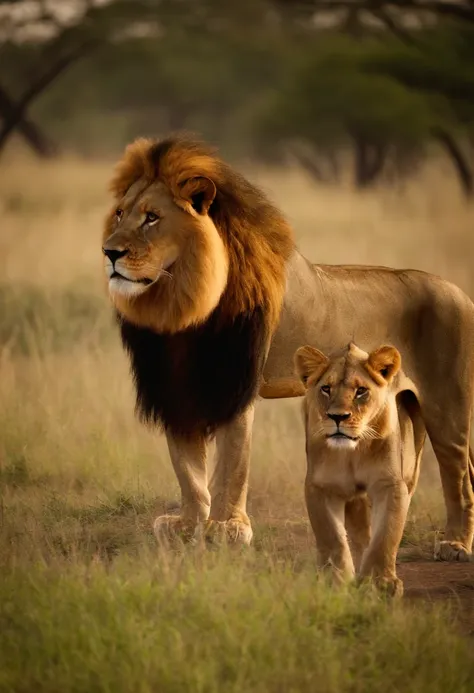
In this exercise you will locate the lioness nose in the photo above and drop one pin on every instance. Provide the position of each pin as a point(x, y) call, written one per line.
point(339, 418)
point(114, 255)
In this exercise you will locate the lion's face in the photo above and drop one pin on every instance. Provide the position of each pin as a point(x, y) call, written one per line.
point(347, 394)
point(148, 232)
point(164, 260)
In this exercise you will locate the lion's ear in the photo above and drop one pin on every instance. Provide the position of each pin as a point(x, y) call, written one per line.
point(385, 362)
point(310, 362)
point(199, 192)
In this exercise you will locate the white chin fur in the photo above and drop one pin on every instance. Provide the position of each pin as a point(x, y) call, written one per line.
point(341, 443)
point(125, 287)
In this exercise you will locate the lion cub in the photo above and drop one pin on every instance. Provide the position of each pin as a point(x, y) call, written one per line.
point(364, 438)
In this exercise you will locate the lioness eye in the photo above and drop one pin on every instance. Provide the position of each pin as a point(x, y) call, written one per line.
point(119, 213)
point(151, 217)
point(326, 390)
point(361, 391)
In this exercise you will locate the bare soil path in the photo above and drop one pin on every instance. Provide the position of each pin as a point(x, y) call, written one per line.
point(449, 582)
point(425, 580)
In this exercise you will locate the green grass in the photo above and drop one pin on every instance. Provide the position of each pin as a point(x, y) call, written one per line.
point(88, 602)
point(215, 623)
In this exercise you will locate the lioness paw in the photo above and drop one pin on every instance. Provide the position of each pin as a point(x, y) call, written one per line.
point(451, 551)
point(172, 529)
point(217, 533)
point(389, 586)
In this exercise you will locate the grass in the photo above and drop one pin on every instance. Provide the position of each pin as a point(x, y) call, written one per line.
point(50, 320)
point(215, 623)
point(87, 602)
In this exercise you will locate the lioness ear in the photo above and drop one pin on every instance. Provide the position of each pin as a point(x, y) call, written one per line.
point(384, 362)
point(310, 361)
point(199, 192)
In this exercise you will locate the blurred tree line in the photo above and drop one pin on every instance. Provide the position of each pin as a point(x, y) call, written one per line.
point(386, 83)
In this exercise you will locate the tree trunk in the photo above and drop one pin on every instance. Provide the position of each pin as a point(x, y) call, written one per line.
point(20, 107)
point(369, 160)
point(38, 141)
point(323, 169)
point(460, 162)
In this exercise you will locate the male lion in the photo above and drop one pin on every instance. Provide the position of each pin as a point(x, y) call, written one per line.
point(364, 439)
point(213, 300)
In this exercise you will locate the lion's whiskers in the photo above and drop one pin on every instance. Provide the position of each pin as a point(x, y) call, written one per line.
point(318, 431)
point(370, 433)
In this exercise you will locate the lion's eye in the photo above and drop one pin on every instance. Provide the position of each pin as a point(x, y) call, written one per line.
point(119, 213)
point(326, 390)
point(151, 217)
point(361, 391)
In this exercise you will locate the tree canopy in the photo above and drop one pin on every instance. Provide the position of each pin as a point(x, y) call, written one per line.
point(387, 81)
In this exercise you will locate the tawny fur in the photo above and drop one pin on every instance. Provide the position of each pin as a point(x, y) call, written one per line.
point(256, 238)
point(378, 461)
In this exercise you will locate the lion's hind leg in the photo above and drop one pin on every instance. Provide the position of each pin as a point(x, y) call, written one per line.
point(455, 460)
point(451, 549)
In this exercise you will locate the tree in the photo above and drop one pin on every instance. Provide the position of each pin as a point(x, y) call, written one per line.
point(441, 69)
point(47, 37)
point(393, 13)
point(387, 100)
point(332, 103)
point(53, 38)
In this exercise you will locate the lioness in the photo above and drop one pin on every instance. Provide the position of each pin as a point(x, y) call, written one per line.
point(213, 299)
point(364, 439)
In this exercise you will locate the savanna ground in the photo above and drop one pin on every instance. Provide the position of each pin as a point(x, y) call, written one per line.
point(87, 602)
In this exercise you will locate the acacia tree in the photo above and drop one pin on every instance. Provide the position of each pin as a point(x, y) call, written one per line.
point(442, 71)
point(52, 36)
point(332, 104)
point(388, 105)
point(396, 15)
point(49, 36)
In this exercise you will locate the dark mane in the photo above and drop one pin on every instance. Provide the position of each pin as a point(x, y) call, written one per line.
point(194, 381)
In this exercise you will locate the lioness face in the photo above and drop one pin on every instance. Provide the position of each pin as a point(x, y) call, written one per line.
point(165, 262)
point(346, 394)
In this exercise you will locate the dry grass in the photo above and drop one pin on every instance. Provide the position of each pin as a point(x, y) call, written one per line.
point(81, 480)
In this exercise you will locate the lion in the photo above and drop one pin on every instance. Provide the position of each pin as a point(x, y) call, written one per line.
point(364, 439)
point(212, 300)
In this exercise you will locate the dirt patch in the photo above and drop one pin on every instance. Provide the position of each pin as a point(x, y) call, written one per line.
point(433, 582)
point(425, 580)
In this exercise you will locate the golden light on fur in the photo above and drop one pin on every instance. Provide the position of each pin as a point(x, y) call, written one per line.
point(384, 363)
point(310, 362)
point(227, 243)
point(357, 398)
point(347, 392)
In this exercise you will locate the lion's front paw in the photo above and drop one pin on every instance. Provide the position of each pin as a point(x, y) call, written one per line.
point(231, 532)
point(389, 586)
point(451, 551)
point(172, 529)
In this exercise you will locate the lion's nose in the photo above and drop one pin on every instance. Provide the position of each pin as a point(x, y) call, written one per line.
point(114, 255)
point(339, 418)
